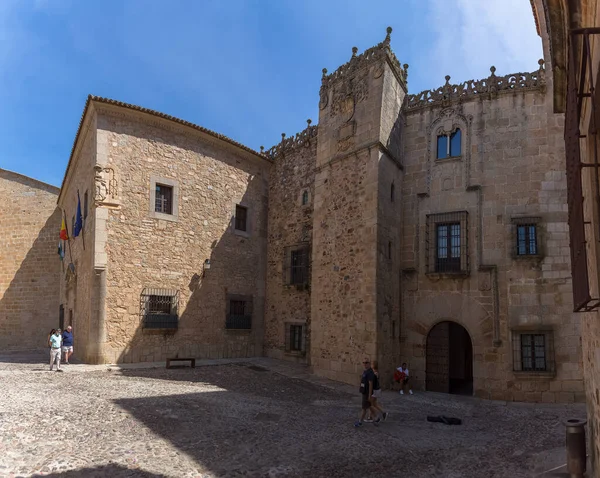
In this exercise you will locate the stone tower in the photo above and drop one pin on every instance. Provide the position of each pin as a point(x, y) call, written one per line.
point(355, 272)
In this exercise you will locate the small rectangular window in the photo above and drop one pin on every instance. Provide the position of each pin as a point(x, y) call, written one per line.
point(163, 199)
point(241, 218)
point(296, 336)
point(72, 224)
point(527, 240)
point(239, 315)
point(533, 352)
point(159, 308)
point(448, 247)
point(85, 205)
point(299, 266)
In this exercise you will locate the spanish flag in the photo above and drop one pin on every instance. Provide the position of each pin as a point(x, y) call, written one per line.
point(64, 235)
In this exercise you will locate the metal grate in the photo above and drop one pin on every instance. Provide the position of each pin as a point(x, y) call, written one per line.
point(239, 316)
point(299, 266)
point(296, 333)
point(446, 243)
point(159, 308)
point(527, 242)
point(163, 201)
point(533, 351)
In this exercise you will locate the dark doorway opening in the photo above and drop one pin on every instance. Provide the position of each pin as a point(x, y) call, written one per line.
point(449, 366)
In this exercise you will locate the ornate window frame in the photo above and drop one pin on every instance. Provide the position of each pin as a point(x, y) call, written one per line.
point(447, 121)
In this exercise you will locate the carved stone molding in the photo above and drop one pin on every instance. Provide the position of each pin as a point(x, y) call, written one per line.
point(105, 187)
point(287, 145)
point(448, 121)
point(488, 87)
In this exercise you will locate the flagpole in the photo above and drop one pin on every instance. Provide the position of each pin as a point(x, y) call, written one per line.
point(68, 235)
point(82, 224)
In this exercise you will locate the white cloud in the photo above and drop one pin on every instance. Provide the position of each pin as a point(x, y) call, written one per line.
point(476, 34)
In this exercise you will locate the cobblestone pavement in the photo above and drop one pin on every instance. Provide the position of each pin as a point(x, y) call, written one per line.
point(254, 418)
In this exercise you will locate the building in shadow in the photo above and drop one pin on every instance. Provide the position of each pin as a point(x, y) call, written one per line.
point(29, 263)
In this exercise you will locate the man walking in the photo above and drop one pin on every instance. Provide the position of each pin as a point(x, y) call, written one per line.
point(366, 389)
point(67, 343)
point(55, 350)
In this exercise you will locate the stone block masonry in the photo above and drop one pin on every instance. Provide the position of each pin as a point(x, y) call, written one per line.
point(29, 263)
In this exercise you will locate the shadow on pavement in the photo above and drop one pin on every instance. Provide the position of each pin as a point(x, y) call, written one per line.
point(112, 470)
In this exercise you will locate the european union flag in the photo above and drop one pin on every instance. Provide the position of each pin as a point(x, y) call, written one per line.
point(79, 218)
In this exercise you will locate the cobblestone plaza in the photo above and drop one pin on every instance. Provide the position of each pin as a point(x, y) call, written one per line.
point(258, 417)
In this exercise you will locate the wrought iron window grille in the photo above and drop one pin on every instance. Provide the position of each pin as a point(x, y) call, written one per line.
point(446, 243)
point(159, 308)
point(239, 313)
point(295, 337)
point(297, 265)
point(533, 351)
point(163, 201)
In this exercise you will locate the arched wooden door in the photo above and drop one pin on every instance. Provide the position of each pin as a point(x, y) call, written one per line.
point(449, 355)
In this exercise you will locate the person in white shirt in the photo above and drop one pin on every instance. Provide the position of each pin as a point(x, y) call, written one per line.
point(404, 376)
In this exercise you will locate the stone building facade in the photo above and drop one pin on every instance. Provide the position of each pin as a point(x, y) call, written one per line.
point(172, 257)
point(427, 228)
point(29, 264)
point(571, 33)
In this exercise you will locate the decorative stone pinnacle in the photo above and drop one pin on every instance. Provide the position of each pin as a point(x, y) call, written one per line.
point(541, 62)
point(447, 79)
point(324, 72)
point(262, 149)
point(389, 33)
point(308, 121)
point(282, 136)
point(354, 51)
point(493, 70)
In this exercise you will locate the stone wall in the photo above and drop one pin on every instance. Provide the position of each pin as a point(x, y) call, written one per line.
point(290, 224)
point(76, 285)
point(148, 250)
point(511, 166)
point(29, 263)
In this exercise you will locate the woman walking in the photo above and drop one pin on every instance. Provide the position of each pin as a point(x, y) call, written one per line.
point(375, 405)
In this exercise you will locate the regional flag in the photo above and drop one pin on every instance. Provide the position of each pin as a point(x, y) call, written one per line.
point(78, 218)
point(64, 235)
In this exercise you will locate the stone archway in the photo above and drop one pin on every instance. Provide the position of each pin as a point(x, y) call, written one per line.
point(449, 359)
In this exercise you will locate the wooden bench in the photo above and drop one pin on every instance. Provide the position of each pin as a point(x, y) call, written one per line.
point(191, 360)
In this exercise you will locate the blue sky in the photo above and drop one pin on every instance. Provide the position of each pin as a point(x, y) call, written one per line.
point(249, 69)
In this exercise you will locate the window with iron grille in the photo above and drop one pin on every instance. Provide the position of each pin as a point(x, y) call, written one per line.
point(449, 145)
point(239, 312)
point(159, 308)
point(527, 240)
point(163, 199)
point(296, 333)
point(446, 243)
point(296, 265)
point(241, 218)
point(533, 351)
point(295, 337)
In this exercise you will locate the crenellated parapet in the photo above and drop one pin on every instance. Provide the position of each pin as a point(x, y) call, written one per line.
point(376, 54)
point(302, 139)
point(487, 87)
